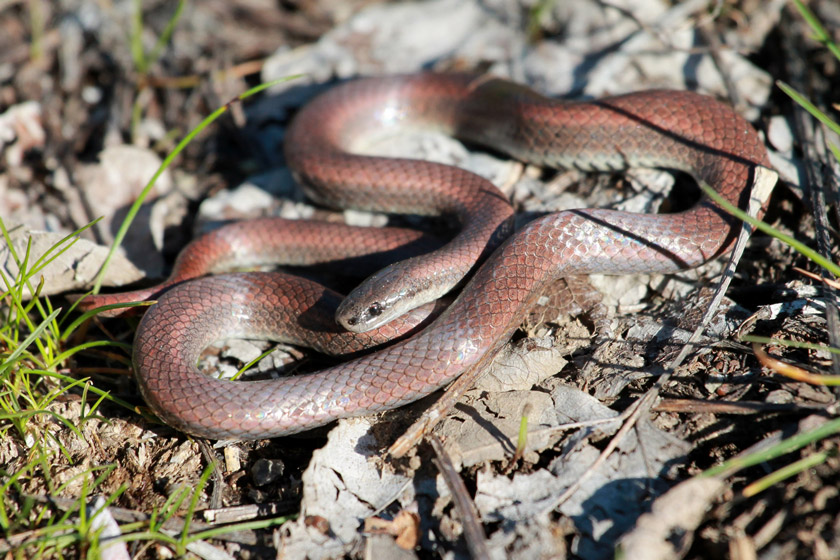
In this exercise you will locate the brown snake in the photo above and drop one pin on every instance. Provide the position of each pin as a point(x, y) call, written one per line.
point(666, 129)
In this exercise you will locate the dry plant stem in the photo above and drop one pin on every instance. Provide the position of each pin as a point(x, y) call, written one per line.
point(769, 530)
point(710, 36)
point(192, 80)
point(585, 424)
point(696, 406)
point(473, 533)
point(632, 414)
point(393, 498)
point(791, 371)
point(238, 514)
point(831, 283)
point(437, 412)
point(821, 168)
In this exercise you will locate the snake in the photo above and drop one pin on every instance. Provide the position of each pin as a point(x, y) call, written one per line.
point(500, 273)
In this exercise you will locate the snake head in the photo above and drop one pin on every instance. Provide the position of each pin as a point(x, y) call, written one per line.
point(364, 317)
point(391, 292)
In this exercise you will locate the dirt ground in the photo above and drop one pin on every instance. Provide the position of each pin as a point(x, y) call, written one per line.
point(93, 98)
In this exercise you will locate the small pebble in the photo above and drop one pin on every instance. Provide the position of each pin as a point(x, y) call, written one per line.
point(266, 471)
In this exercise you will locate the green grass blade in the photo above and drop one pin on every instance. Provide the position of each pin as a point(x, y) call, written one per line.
point(135, 208)
point(251, 364)
point(92, 388)
point(164, 37)
point(808, 106)
point(782, 448)
point(196, 495)
point(244, 526)
point(12, 359)
point(834, 150)
point(805, 463)
point(67, 354)
point(770, 230)
point(65, 334)
point(138, 55)
point(820, 32)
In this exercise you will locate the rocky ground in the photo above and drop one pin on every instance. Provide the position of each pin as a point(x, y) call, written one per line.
point(622, 413)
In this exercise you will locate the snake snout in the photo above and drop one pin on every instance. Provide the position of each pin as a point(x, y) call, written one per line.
point(378, 300)
point(361, 318)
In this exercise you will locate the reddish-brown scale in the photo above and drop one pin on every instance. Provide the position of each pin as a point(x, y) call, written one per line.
point(278, 241)
point(677, 130)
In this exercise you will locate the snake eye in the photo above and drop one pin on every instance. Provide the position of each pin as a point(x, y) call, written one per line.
point(375, 310)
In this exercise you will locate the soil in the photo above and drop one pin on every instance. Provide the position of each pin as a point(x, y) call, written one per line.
point(81, 111)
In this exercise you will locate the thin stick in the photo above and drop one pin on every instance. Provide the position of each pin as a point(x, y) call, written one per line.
point(473, 532)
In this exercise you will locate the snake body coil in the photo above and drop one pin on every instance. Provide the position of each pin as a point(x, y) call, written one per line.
point(677, 130)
